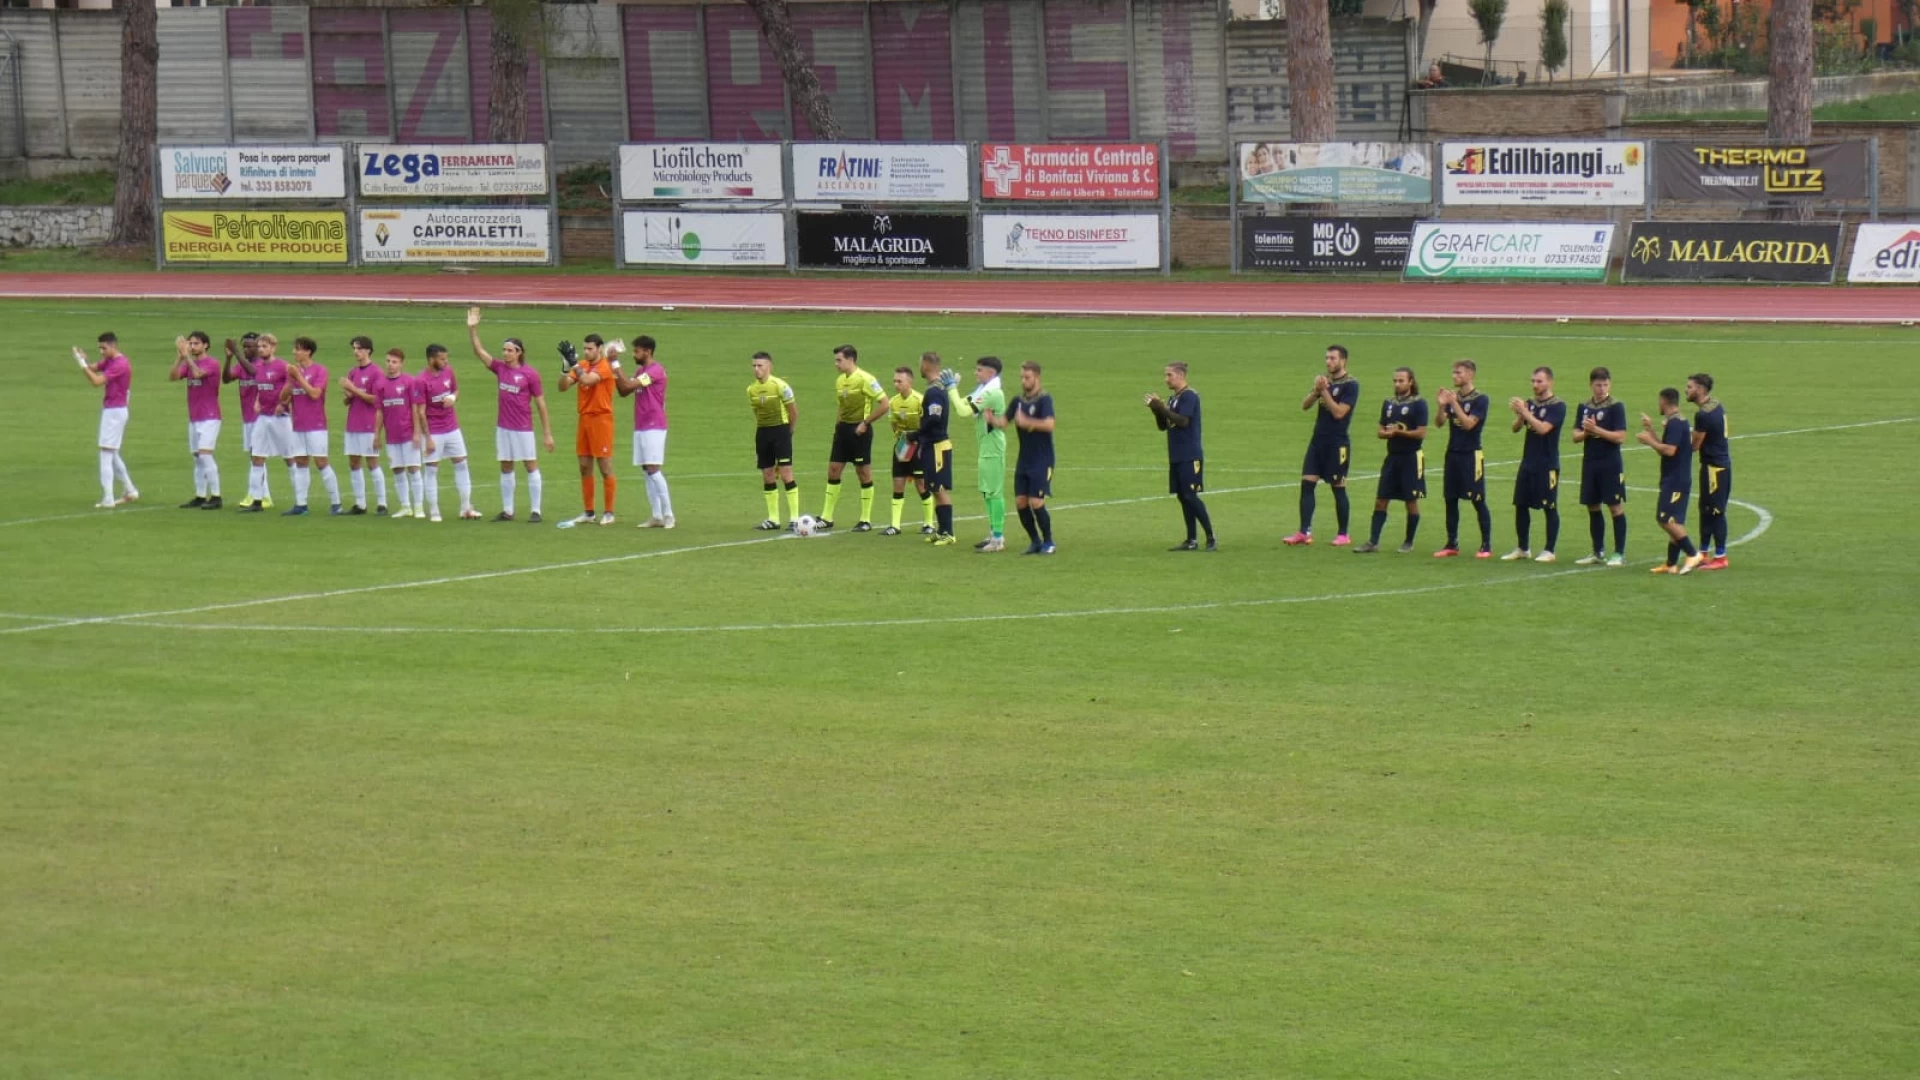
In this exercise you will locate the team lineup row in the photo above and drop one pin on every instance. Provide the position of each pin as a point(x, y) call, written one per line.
point(413, 418)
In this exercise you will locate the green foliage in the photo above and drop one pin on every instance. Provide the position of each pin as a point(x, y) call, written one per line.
point(1553, 35)
point(1488, 15)
point(70, 189)
point(1346, 9)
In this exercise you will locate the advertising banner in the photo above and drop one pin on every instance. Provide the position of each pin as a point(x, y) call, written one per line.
point(1543, 173)
point(1346, 172)
point(699, 170)
point(245, 173)
point(1070, 241)
point(455, 234)
point(1886, 253)
point(1077, 172)
point(880, 172)
point(671, 238)
point(1466, 250)
point(441, 170)
point(1733, 172)
point(1325, 244)
point(1732, 251)
point(884, 241)
point(246, 236)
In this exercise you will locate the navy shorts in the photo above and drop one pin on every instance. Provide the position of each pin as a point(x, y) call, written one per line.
point(1673, 506)
point(1186, 476)
point(906, 469)
point(1327, 460)
point(1467, 476)
point(1033, 483)
point(1403, 477)
point(936, 465)
point(1536, 489)
point(1716, 485)
point(1602, 484)
point(850, 447)
point(773, 446)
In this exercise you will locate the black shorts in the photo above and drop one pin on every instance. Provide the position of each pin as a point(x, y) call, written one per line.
point(1672, 507)
point(906, 469)
point(1466, 476)
point(1186, 476)
point(773, 446)
point(1032, 483)
point(1537, 489)
point(1327, 460)
point(1602, 484)
point(850, 446)
point(1403, 477)
point(1716, 486)
point(936, 464)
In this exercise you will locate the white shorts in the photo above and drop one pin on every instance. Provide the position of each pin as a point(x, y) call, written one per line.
point(309, 444)
point(359, 444)
point(513, 445)
point(403, 455)
point(451, 445)
point(650, 447)
point(272, 437)
point(113, 427)
point(201, 435)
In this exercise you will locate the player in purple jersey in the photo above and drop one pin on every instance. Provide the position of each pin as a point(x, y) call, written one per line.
point(357, 389)
point(272, 425)
point(114, 376)
point(521, 395)
point(201, 372)
point(402, 417)
point(439, 387)
point(648, 388)
point(306, 397)
point(239, 369)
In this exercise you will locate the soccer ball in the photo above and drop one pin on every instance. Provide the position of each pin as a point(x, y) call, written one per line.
point(803, 525)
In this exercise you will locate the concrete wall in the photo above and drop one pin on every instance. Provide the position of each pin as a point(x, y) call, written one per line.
point(1749, 94)
point(54, 226)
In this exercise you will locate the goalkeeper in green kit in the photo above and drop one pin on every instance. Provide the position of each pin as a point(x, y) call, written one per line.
point(987, 404)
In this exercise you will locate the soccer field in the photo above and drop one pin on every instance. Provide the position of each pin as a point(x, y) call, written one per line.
point(371, 797)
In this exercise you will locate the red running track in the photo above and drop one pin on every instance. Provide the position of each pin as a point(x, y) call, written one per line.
point(1127, 296)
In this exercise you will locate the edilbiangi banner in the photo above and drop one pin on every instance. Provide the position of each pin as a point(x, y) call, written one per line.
point(1734, 172)
point(700, 170)
point(1732, 251)
point(880, 172)
point(1325, 244)
point(1070, 241)
point(430, 170)
point(1075, 172)
point(1467, 250)
point(1886, 253)
point(252, 236)
point(455, 234)
point(1346, 172)
point(245, 173)
point(884, 241)
point(1543, 173)
point(672, 238)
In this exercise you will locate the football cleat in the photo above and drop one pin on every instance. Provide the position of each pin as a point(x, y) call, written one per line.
point(1406, 548)
point(1663, 568)
point(982, 545)
point(1546, 556)
point(1594, 559)
point(381, 511)
point(106, 504)
point(194, 503)
point(1185, 545)
point(1212, 544)
point(504, 515)
point(533, 518)
point(1342, 540)
point(213, 503)
point(434, 517)
point(864, 526)
point(993, 545)
point(1615, 561)
point(1483, 553)
point(1046, 549)
point(356, 510)
point(1367, 548)
point(1447, 552)
point(821, 525)
point(266, 503)
point(944, 540)
point(1717, 562)
point(651, 523)
point(1691, 563)
point(297, 511)
point(130, 497)
point(669, 522)
point(926, 530)
point(585, 518)
point(768, 525)
point(335, 510)
point(606, 518)
point(470, 514)
point(891, 530)
point(1517, 555)
point(1032, 549)
point(1299, 539)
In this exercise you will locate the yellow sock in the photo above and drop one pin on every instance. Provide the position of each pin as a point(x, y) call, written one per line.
point(899, 504)
point(793, 501)
point(833, 499)
point(926, 504)
point(773, 503)
point(866, 502)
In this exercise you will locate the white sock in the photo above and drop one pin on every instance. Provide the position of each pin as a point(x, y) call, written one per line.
point(533, 491)
point(666, 501)
point(359, 478)
point(432, 478)
point(302, 480)
point(379, 486)
point(256, 482)
point(120, 471)
point(507, 483)
point(332, 483)
point(213, 475)
point(402, 493)
point(106, 476)
point(463, 483)
point(199, 476)
point(419, 488)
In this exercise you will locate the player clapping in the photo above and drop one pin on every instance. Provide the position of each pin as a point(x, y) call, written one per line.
point(201, 372)
point(521, 395)
point(114, 377)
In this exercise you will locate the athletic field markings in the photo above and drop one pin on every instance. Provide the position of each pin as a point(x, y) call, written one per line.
point(100, 515)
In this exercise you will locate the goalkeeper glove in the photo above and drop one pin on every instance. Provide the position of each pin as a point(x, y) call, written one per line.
point(948, 379)
point(569, 356)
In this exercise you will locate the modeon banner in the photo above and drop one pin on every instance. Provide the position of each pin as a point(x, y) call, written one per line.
point(1698, 170)
point(254, 236)
point(701, 170)
point(672, 238)
point(880, 172)
point(1071, 172)
point(437, 171)
point(1886, 253)
point(247, 173)
point(1325, 245)
point(1732, 251)
point(1597, 173)
point(455, 234)
point(1467, 250)
point(1070, 241)
point(1345, 172)
point(859, 241)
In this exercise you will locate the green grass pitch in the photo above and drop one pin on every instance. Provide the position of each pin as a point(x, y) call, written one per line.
point(377, 798)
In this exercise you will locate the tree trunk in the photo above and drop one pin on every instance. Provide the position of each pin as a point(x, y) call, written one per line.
point(1310, 110)
point(1420, 35)
point(776, 24)
point(139, 122)
point(1790, 83)
point(507, 79)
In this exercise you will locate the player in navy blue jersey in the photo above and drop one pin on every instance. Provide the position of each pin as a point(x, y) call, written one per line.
point(1334, 395)
point(936, 448)
point(1538, 485)
point(1674, 444)
point(1716, 468)
point(1403, 476)
point(1031, 415)
point(1179, 416)
point(1463, 411)
point(1600, 427)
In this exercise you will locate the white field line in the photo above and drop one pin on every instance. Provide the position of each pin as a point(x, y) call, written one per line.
point(101, 515)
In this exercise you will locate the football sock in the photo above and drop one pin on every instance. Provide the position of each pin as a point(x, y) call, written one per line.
point(1686, 546)
point(833, 499)
point(199, 476)
point(1186, 515)
point(1200, 514)
point(302, 480)
point(508, 483)
point(403, 493)
point(772, 493)
point(1453, 524)
point(213, 475)
point(1045, 521)
point(431, 475)
point(793, 499)
point(463, 483)
point(1027, 523)
point(1413, 523)
point(1597, 525)
point(419, 482)
point(1306, 505)
point(106, 476)
point(1673, 553)
point(586, 491)
point(899, 507)
point(1719, 534)
point(120, 471)
point(997, 515)
point(659, 482)
point(612, 484)
point(534, 484)
point(380, 488)
point(1379, 523)
point(1553, 528)
point(1486, 526)
point(1342, 509)
point(331, 482)
point(256, 482)
point(1620, 535)
point(1523, 528)
point(926, 507)
point(866, 501)
point(358, 477)
point(945, 514)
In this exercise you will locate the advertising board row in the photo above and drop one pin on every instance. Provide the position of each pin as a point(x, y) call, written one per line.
point(387, 235)
point(868, 241)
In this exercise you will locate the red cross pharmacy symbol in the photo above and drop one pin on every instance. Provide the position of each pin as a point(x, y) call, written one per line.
point(1002, 171)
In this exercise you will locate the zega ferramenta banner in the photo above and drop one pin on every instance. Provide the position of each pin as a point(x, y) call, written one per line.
point(1325, 244)
point(1732, 251)
point(858, 241)
point(435, 170)
point(1701, 170)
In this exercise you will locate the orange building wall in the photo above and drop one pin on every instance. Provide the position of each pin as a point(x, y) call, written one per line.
point(1667, 29)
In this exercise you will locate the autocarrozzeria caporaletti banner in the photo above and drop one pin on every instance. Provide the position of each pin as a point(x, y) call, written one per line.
point(1700, 170)
point(1732, 251)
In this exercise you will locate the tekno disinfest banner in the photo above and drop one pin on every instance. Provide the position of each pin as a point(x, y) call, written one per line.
point(1077, 172)
point(1889, 253)
point(672, 238)
point(859, 241)
point(245, 173)
point(1731, 251)
point(251, 236)
point(1460, 250)
point(699, 170)
point(1070, 241)
point(1731, 172)
point(437, 171)
point(455, 234)
point(880, 172)
point(1346, 172)
point(1595, 173)
point(1325, 244)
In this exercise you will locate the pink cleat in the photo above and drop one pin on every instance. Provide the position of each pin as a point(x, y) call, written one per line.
point(1298, 539)
point(1342, 540)
point(1446, 552)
